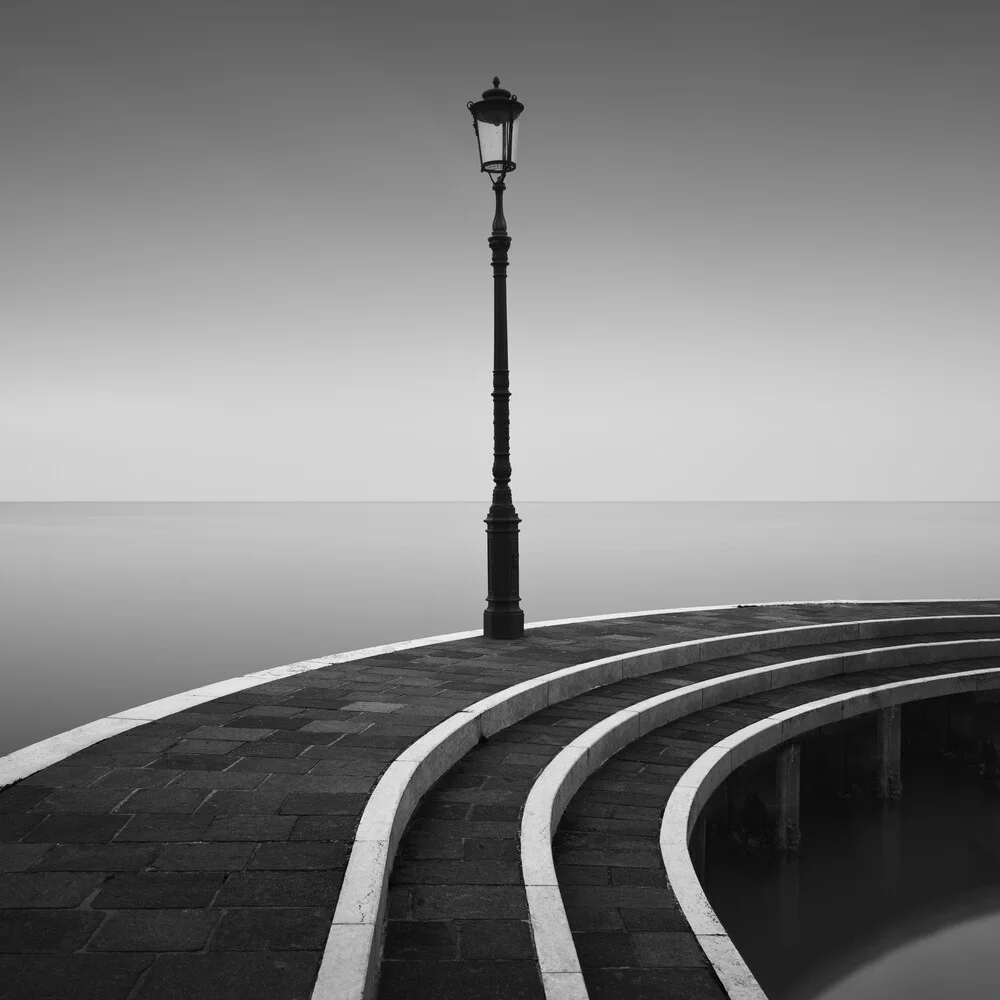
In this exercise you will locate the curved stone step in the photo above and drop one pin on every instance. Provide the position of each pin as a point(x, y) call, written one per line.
point(623, 914)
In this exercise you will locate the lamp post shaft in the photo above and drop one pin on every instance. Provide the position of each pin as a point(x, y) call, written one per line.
point(503, 617)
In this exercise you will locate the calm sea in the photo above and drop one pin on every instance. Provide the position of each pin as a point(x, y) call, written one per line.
point(105, 606)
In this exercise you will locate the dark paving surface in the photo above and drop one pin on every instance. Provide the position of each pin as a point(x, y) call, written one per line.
point(630, 934)
point(201, 855)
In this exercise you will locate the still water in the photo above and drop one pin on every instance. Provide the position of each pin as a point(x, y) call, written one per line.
point(883, 903)
point(105, 606)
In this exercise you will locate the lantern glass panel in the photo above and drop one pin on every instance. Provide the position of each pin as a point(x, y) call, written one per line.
point(498, 145)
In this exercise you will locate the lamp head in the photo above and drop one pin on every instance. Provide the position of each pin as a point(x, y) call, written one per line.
point(495, 119)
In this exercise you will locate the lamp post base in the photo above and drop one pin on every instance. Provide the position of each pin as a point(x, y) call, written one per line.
point(503, 624)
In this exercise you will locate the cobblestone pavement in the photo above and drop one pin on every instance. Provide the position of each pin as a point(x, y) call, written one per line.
point(201, 855)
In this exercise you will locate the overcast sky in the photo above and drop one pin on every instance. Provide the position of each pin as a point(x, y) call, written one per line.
point(756, 250)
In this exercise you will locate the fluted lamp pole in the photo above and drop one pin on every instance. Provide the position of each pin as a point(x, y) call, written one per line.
point(495, 119)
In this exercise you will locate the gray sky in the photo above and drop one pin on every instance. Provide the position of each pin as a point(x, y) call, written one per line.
point(243, 250)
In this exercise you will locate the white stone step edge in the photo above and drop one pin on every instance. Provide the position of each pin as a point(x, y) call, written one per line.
point(352, 954)
point(559, 964)
point(718, 762)
point(27, 760)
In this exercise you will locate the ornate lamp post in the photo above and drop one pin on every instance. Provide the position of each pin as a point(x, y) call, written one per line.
point(495, 119)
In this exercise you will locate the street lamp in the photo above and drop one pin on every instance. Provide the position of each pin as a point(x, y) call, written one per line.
point(495, 119)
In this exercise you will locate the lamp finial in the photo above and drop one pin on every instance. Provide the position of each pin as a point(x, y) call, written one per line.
point(496, 81)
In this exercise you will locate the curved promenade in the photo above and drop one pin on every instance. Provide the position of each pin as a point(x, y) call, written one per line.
point(380, 823)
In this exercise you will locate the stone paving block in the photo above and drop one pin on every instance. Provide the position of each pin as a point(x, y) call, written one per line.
point(130, 743)
point(165, 828)
point(93, 756)
point(158, 890)
point(449, 902)
point(496, 940)
point(444, 811)
point(235, 828)
point(204, 857)
point(222, 780)
point(262, 802)
point(495, 813)
point(18, 857)
point(466, 828)
point(321, 783)
point(192, 762)
point(298, 856)
point(280, 888)
point(164, 800)
point(480, 796)
point(46, 889)
point(155, 930)
point(654, 984)
point(489, 849)
point(457, 873)
point(268, 724)
point(617, 857)
point(265, 748)
point(326, 803)
point(642, 876)
point(597, 918)
point(334, 726)
point(668, 949)
point(70, 977)
point(196, 717)
point(106, 858)
point(45, 930)
point(271, 765)
point(65, 776)
point(373, 706)
point(210, 748)
point(357, 779)
point(615, 897)
point(257, 929)
point(653, 918)
point(80, 800)
point(428, 940)
point(232, 976)
point(69, 828)
point(584, 875)
point(394, 740)
point(269, 712)
point(13, 826)
point(324, 828)
point(134, 777)
point(604, 949)
point(459, 981)
point(296, 737)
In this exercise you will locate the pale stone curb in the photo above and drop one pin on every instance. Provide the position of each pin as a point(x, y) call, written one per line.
point(716, 764)
point(566, 773)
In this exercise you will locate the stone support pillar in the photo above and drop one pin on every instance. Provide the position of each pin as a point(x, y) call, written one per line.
point(788, 774)
point(889, 752)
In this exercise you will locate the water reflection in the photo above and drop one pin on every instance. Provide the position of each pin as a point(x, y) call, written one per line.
point(959, 961)
point(878, 895)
